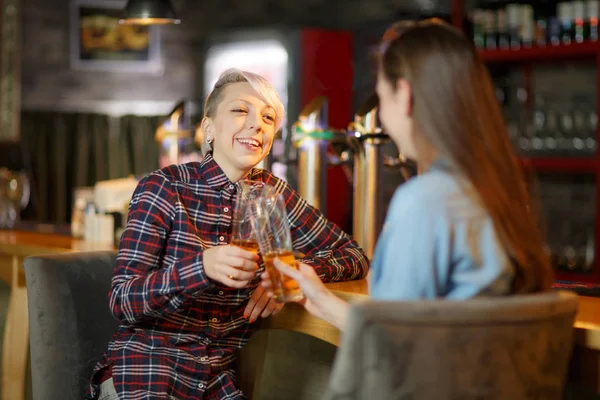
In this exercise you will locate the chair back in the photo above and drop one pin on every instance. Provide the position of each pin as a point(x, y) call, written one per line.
point(69, 320)
point(515, 347)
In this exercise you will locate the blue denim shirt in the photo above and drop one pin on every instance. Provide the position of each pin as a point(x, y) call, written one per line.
point(438, 241)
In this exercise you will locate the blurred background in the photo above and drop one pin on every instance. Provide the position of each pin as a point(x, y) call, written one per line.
point(89, 105)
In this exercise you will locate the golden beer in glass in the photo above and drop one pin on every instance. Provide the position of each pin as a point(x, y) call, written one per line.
point(272, 230)
point(242, 234)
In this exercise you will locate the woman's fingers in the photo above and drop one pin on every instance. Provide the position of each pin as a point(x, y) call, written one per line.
point(234, 277)
point(230, 282)
point(287, 270)
point(241, 263)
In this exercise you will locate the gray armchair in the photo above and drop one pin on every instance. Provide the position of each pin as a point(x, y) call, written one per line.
point(504, 348)
point(69, 320)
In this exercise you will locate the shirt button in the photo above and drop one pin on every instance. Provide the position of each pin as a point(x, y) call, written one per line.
point(204, 359)
point(226, 209)
point(221, 292)
point(215, 320)
point(231, 187)
point(201, 386)
point(221, 238)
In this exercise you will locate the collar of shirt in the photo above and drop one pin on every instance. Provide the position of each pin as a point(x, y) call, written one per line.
point(214, 176)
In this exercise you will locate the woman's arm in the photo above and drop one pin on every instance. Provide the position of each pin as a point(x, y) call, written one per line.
point(145, 283)
point(329, 250)
point(334, 310)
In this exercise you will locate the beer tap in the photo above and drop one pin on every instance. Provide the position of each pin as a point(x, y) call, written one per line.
point(318, 146)
point(367, 140)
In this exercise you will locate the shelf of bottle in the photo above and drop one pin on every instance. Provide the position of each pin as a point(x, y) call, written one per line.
point(536, 53)
point(560, 164)
point(577, 276)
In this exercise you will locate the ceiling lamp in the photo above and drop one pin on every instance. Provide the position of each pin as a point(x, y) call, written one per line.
point(149, 12)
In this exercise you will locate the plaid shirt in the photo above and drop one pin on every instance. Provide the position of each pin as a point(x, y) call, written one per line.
point(179, 329)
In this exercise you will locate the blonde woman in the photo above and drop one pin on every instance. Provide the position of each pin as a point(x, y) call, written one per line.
point(185, 299)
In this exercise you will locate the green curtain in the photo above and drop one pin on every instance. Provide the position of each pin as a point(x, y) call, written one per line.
point(68, 150)
point(133, 149)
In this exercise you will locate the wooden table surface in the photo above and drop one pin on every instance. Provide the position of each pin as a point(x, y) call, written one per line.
point(25, 244)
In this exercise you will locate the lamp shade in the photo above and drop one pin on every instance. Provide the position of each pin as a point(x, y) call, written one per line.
point(149, 12)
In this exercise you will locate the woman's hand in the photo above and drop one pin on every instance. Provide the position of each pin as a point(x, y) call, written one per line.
point(230, 265)
point(318, 300)
point(261, 304)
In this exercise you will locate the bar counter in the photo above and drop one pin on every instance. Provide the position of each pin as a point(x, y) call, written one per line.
point(16, 245)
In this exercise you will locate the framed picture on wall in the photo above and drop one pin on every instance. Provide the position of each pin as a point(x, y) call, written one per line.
point(99, 42)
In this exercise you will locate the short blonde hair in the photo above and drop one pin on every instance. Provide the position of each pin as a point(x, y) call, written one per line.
point(264, 89)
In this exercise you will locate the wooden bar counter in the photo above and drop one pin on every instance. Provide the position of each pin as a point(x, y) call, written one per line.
point(16, 245)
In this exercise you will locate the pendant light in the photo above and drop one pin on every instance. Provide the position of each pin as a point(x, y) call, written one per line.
point(149, 12)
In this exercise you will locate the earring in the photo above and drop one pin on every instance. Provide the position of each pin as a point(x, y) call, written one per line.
point(208, 140)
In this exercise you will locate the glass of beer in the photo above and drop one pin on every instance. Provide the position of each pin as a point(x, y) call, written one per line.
point(242, 234)
point(272, 230)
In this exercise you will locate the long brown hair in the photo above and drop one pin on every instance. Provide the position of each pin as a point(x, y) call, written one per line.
point(455, 112)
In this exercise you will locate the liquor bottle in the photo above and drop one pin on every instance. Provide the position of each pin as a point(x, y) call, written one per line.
point(539, 125)
point(592, 121)
point(502, 34)
point(527, 27)
point(565, 144)
point(478, 20)
point(589, 252)
point(554, 29)
point(565, 17)
point(592, 20)
point(579, 128)
point(552, 133)
point(541, 24)
point(578, 18)
point(570, 257)
point(490, 29)
point(513, 17)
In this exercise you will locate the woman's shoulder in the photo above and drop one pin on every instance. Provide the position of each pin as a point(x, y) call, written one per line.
point(436, 193)
point(188, 172)
point(426, 189)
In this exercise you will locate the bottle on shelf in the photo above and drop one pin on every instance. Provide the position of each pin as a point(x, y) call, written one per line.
point(591, 20)
point(502, 35)
point(527, 25)
point(513, 16)
point(478, 21)
point(565, 17)
point(490, 26)
point(568, 207)
point(579, 129)
point(519, 24)
point(552, 134)
point(579, 34)
point(591, 143)
point(540, 23)
point(588, 264)
point(539, 125)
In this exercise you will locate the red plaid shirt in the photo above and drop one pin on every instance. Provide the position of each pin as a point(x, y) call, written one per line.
point(179, 329)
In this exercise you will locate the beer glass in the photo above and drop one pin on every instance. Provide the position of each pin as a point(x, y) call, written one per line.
point(241, 231)
point(272, 231)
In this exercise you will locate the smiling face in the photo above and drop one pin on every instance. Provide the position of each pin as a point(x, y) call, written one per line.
point(242, 129)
